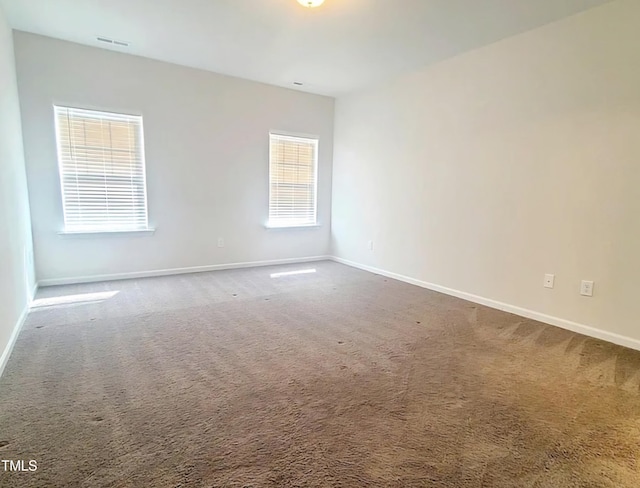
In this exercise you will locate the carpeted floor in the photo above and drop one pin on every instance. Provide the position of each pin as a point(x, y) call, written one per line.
point(333, 378)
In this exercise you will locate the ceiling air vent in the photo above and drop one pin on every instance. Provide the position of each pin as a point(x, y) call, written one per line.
point(114, 42)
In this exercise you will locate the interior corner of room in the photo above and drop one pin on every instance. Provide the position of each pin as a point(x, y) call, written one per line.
point(504, 171)
point(528, 168)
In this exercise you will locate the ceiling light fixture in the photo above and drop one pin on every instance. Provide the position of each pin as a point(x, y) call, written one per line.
point(311, 3)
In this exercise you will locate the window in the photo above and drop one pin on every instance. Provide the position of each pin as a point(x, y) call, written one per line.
point(102, 175)
point(293, 181)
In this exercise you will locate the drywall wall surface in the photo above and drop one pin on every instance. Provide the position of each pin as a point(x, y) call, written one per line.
point(207, 160)
point(16, 254)
point(486, 171)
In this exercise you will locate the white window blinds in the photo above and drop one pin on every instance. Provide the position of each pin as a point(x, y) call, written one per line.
point(102, 174)
point(293, 181)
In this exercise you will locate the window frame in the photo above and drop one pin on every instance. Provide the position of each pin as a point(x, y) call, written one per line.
point(106, 231)
point(316, 143)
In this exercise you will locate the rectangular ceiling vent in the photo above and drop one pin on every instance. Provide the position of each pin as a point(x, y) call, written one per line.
point(114, 42)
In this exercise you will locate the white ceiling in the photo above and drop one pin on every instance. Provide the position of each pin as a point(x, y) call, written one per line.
point(333, 49)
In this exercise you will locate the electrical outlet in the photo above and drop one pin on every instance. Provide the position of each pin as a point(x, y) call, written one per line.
point(586, 289)
point(549, 280)
point(220, 242)
point(370, 245)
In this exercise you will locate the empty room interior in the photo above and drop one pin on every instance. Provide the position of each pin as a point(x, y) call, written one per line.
point(320, 243)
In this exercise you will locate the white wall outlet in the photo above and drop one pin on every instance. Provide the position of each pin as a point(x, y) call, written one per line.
point(220, 242)
point(586, 289)
point(370, 245)
point(549, 280)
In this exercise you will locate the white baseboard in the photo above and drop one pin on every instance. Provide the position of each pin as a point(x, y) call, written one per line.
point(12, 339)
point(174, 271)
point(505, 307)
point(16, 330)
point(523, 312)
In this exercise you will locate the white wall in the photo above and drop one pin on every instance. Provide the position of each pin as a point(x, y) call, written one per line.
point(16, 255)
point(206, 142)
point(488, 170)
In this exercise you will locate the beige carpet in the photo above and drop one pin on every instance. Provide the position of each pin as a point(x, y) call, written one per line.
point(333, 378)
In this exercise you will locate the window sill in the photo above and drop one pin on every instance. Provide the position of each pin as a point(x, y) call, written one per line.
point(291, 226)
point(106, 233)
